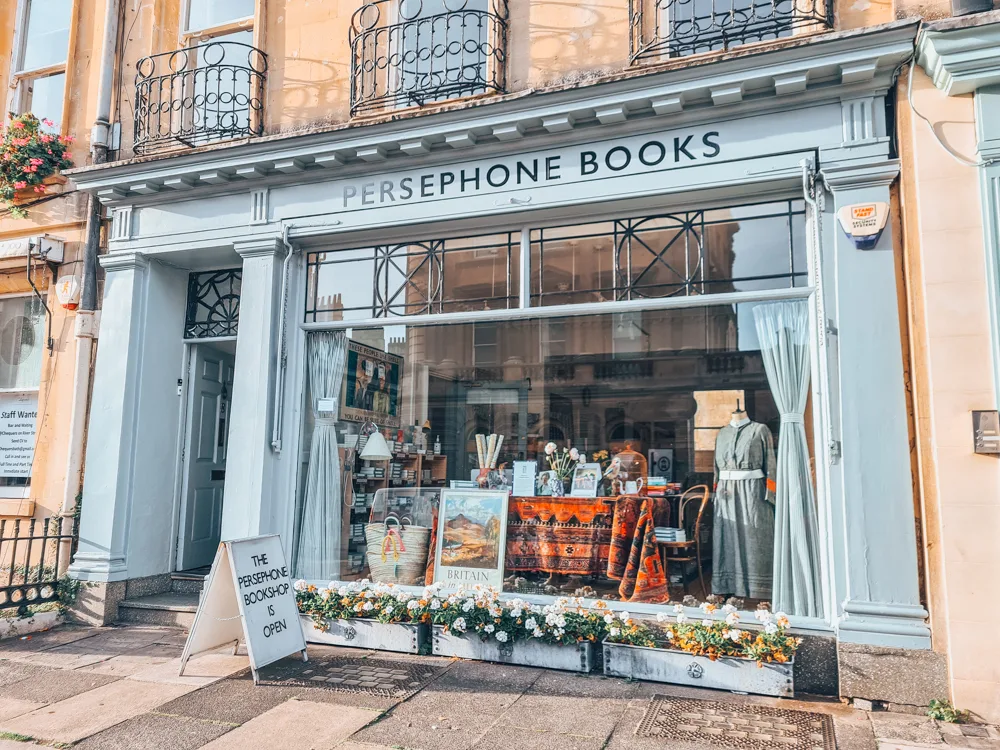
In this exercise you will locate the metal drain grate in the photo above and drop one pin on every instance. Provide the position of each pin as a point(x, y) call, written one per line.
point(737, 725)
point(383, 677)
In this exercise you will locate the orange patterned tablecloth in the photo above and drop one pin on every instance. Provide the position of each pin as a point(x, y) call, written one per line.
point(568, 535)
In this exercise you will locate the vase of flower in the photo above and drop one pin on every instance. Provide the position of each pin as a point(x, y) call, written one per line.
point(561, 464)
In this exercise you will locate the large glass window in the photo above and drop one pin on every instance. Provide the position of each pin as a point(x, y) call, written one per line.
point(22, 337)
point(683, 417)
point(40, 70)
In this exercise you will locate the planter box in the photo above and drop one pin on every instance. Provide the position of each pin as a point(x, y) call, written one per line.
point(681, 668)
point(576, 658)
point(380, 636)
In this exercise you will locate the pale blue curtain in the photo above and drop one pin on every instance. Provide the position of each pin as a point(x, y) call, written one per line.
point(783, 332)
point(318, 552)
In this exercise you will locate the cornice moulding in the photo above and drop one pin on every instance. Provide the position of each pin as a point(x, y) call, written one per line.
point(961, 59)
point(821, 67)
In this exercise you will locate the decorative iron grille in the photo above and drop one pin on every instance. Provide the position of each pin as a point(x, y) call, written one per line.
point(421, 277)
point(674, 28)
point(213, 304)
point(201, 94)
point(33, 556)
point(411, 52)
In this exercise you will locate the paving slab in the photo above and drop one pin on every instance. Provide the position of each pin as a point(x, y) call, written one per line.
point(13, 745)
point(296, 725)
point(15, 671)
point(200, 671)
point(232, 701)
point(155, 731)
point(917, 730)
point(88, 713)
point(504, 737)
point(136, 660)
point(54, 685)
point(12, 648)
point(11, 707)
point(561, 715)
point(455, 710)
point(570, 684)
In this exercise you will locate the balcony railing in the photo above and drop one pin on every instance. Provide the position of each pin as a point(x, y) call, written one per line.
point(662, 29)
point(412, 52)
point(202, 94)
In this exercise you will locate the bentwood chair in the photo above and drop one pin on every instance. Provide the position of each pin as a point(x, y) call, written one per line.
point(689, 551)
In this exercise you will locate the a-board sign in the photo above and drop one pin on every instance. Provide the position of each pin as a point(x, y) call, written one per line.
point(248, 594)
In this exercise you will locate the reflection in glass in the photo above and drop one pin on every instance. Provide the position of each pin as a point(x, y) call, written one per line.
point(204, 14)
point(47, 39)
point(44, 98)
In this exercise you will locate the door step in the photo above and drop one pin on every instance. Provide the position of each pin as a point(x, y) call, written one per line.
point(170, 608)
point(188, 581)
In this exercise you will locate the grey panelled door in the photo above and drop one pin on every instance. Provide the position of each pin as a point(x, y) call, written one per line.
point(210, 381)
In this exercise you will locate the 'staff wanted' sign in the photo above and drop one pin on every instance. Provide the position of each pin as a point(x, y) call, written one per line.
point(249, 594)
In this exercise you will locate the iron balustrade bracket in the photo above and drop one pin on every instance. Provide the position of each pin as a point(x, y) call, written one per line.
point(201, 94)
point(663, 29)
point(407, 53)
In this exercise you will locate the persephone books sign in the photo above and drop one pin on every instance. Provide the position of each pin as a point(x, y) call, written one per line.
point(18, 419)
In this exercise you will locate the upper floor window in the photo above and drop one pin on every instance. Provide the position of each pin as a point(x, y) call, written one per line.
point(663, 29)
point(42, 47)
point(414, 52)
point(206, 15)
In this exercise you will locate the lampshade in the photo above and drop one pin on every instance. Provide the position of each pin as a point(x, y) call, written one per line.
point(376, 449)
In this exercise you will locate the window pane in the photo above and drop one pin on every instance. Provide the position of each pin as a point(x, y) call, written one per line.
point(22, 340)
point(737, 249)
point(204, 14)
point(660, 388)
point(47, 38)
point(414, 278)
point(44, 98)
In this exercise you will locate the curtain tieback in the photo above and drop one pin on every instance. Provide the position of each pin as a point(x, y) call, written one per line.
point(792, 418)
point(325, 421)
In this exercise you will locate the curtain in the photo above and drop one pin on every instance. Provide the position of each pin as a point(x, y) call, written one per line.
point(783, 332)
point(318, 553)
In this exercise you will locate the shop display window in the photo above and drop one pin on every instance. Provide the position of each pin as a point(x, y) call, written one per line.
point(638, 456)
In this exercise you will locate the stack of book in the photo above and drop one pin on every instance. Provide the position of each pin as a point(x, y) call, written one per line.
point(669, 534)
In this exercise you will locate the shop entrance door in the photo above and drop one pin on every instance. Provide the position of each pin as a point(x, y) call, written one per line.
point(209, 383)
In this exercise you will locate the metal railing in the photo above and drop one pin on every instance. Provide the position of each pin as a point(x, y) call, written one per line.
point(202, 94)
point(34, 554)
point(662, 29)
point(412, 52)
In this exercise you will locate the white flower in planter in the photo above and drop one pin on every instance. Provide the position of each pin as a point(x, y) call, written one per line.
point(782, 619)
point(735, 634)
point(728, 609)
point(609, 619)
point(706, 623)
point(614, 632)
point(732, 619)
point(625, 616)
point(459, 625)
point(681, 618)
point(679, 609)
point(489, 628)
point(368, 607)
point(770, 628)
point(530, 624)
point(502, 636)
point(469, 605)
point(412, 604)
point(301, 585)
point(435, 604)
point(662, 617)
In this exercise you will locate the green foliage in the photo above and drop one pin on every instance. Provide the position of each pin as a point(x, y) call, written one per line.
point(27, 156)
point(942, 710)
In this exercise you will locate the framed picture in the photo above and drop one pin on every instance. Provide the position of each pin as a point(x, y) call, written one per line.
point(371, 386)
point(472, 537)
point(586, 480)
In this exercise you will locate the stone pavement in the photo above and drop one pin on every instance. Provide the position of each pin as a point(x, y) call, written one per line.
point(103, 688)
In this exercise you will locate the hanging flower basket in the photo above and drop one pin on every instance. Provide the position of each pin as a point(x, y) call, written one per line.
point(30, 159)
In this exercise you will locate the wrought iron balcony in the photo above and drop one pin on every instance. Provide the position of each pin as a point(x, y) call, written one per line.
point(662, 29)
point(202, 94)
point(412, 52)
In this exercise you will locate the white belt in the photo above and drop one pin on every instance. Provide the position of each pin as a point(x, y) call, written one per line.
point(741, 474)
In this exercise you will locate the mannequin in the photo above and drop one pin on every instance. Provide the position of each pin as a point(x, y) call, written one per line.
point(743, 532)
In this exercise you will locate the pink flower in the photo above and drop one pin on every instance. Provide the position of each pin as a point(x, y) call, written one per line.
point(45, 138)
point(48, 122)
point(39, 188)
point(17, 124)
point(36, 162)
point(20, 185)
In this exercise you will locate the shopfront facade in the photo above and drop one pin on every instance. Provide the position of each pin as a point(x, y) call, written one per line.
point(617, 266)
